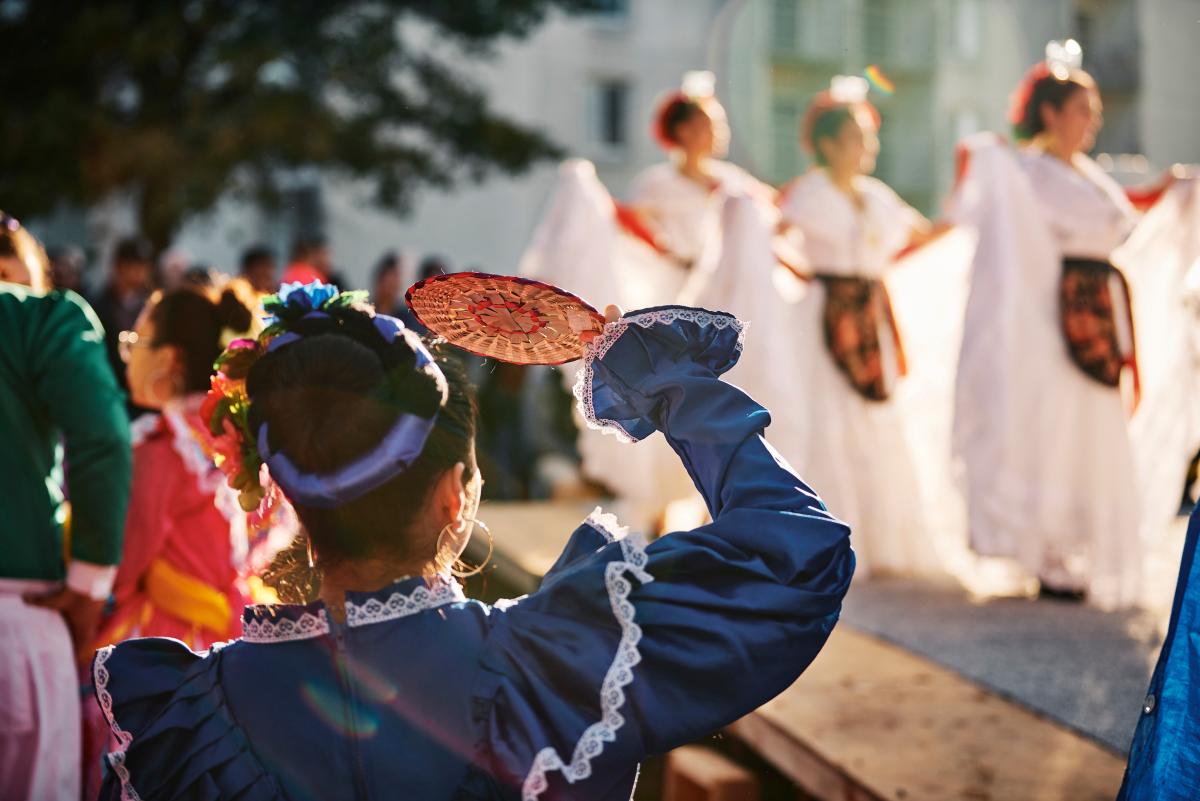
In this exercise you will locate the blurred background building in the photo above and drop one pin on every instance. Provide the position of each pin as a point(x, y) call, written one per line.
point(591, 83)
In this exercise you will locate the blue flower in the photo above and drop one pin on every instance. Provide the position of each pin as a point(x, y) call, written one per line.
point(307, 297)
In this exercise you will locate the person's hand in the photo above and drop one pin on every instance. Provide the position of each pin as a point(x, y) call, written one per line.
point(82, 614)
point(611, 315)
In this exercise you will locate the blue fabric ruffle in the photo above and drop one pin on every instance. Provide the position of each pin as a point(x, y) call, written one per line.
point(180, 740)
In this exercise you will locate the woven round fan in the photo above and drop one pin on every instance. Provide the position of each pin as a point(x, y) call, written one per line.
point(516, 320)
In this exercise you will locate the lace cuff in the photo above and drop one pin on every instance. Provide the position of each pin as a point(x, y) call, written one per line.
point(629, 369)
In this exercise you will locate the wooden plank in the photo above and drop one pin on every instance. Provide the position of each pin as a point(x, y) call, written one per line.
point(701, 774)
point(869, 720)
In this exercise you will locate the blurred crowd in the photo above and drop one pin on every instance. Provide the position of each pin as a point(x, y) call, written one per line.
point(523, 461)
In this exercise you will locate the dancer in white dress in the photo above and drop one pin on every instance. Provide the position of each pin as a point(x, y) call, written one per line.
point(682, 198)
point(849, 353)
point(1060, 472)
point(660, 249)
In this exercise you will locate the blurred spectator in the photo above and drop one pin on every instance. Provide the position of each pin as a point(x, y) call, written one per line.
point(121, 301)
point(56, 389)
point(171, 268)
point(430, 266)
point(556, 472)
point(258, 267)
point(503, 444)
point(66, 268)
point(310, 260)
point(387, 283)
point(198, 276)
point(172, 514)
point(179, 573)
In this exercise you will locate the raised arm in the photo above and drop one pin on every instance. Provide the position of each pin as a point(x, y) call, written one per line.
point(643, 649)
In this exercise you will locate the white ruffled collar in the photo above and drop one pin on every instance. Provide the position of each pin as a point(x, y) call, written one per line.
point(274, 623)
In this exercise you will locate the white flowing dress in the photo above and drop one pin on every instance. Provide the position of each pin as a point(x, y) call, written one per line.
point(580, 246)
point(856, 452)
point(1056, 474)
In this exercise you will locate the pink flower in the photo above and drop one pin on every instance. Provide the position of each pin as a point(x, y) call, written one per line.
point(227, 453)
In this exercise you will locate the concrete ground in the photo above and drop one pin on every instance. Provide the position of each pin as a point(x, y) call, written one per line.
point(1086, 668)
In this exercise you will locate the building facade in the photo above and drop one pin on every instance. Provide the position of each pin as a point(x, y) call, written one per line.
point(591, 83)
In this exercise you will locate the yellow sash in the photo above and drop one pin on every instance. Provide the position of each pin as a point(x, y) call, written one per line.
point(187, 598)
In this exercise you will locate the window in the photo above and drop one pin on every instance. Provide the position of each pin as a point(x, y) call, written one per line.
point(784, 24)
point(968, 25)
point(877, 31)
point(608, 113)
point(822, 29)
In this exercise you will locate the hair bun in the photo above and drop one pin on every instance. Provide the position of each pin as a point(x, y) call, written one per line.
point(232, 312)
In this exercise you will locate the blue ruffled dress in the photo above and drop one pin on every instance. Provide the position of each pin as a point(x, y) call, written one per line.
point(1164, 760)
point(625, 650)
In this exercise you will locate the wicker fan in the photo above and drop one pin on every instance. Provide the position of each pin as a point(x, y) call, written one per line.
point(516, 320)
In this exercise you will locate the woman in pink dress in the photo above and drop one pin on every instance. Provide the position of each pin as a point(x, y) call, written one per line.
point(185, 540)
point(179, 575)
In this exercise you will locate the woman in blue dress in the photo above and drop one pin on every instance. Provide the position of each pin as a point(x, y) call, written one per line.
point(393, 684)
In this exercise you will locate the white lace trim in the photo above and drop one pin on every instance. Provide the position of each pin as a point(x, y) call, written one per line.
point(607, 524)
point(142, 427)
point(619, 675)
point(285, 629)
point(443, 591)
point(208, 477)
point(598, 347)
point(116, 759)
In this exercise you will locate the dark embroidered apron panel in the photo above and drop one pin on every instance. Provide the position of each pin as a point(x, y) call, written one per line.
point(857, 320)
point(1093, 300)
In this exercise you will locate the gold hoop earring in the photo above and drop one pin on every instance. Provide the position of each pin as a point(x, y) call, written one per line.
point(309, 547)
point(473, 522)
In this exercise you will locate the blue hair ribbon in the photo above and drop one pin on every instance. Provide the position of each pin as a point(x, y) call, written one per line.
point(394, 454)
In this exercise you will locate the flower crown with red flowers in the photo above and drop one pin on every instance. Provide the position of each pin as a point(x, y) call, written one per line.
point(243, 453)
point(1061, 59)
point(845, 91)
point(697, 87)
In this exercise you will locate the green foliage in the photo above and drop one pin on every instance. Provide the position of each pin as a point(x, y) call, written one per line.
point(183, 101)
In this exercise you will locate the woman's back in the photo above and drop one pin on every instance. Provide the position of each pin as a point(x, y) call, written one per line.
point(624, 651)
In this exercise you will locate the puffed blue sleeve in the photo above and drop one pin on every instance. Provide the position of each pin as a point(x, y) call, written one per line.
point(174, 736)
point(631, 650)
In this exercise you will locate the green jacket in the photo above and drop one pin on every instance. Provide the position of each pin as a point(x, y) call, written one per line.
point(57, 391)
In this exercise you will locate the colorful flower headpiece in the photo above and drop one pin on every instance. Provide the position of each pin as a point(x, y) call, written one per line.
point(244, 455)
point(699, 87)
point(1062, 58)
point(845, 91)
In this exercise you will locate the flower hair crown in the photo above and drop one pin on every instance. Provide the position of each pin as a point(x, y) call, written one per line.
point(697, 86)
point(243, 453)
point(1062, 58)
point(844, 91)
